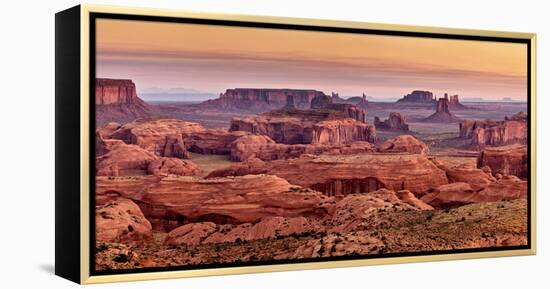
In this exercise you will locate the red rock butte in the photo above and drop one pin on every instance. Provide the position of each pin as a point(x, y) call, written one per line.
point(442, 113)
point(418, 96)
point(263, 99)
point(395, 121)
point(117, 100)
point(493, 133)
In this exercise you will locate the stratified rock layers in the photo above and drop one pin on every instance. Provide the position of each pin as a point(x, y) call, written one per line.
point(413, 172)
point(290, 130)
point(496, 133)
point(262, 99)
point(506, 160)
point(117, 100)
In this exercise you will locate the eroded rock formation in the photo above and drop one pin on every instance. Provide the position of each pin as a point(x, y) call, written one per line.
point(459, 194)
point(262, 99)
point(287, 130)
point(212, 141)
point(306, 128)
point(174, 138)
point(121, 220)
point(418, 96)
point(117, 157)
point(442, 113)
point(172, 166)
point(357, 112)
point(506, 160)
point(394, 122)
point(161, 136)
point(413, 172)
point(454, 103)
point(117, 100)
point(268, 228)
point(342, 132)
point(262, 147)
point(169, 202)
point(404, 144)
point(495, 133)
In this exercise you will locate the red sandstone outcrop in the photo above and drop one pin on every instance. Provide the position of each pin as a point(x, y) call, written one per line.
point(306, 129)
point(174, 146)
point(212, 141)
point(507, 160)
point(121, 220)
point(252, 146)
point(458, 194)
point(341, 175)
point(450, 195)
point(190, 234)
point(505, 188)
point(172, 166)
point(357, 112)
point(172, 201)
point(418, 96)
point(342, 131)
point(101, 146)
point(262, 99)
point(161, 136)
point(350, 212)
point(520, 116)
point(468, 127)
point(394, 122)
point(454, 103)
point(107, 129)
point(117, 100)
point(442, 113)
point(268, 228)
point(117, 157)
point(409, 198)
point(115, 91)
point(503, 133)
point(262, 147)
point(404, 144)
point(335, 245)
point(493, 133)
point(287, 130)
point(468, 173)
point(265, 99)
point(174, 138)
point(321, 101)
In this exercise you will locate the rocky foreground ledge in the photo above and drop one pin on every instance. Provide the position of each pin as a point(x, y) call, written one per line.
point(369, 226)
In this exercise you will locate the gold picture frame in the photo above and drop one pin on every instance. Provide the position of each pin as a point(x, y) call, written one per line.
point(73, 53)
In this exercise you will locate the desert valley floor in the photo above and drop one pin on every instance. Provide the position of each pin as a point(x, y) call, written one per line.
point(263, 175)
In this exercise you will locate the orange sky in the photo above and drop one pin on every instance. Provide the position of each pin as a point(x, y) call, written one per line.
point(213, 58)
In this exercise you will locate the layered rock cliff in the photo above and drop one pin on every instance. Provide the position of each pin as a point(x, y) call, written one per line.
point(262, 99)
point(493, 133)
point(342, 131)
point(117, 100)
point(294, 130)
point(506, 160)
point(356, 173)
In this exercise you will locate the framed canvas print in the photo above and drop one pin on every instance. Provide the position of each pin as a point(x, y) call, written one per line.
point(191, 144)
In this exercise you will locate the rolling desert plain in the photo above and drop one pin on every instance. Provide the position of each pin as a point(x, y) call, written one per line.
point(259, 175)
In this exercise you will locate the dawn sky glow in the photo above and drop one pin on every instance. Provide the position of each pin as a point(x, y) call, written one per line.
point(213, 58)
